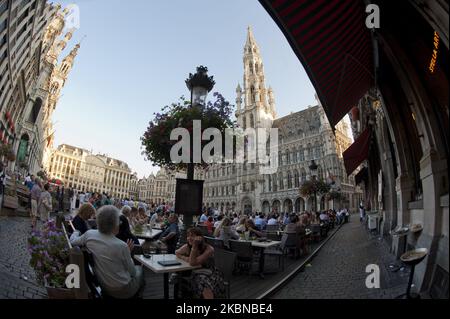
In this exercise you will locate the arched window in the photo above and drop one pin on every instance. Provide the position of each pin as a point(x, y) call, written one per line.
point(252, 94)
point(303, 175)
point(319, 173)
point(256, 68)
point(289, 180)
point(252, 121)
point(280, 181)
point(270, 183)
point(296, 179)
point(54, 88)
point(35, 111)
point(274, 183)
point(244, 122)
point(301, 155)
point(250, 66)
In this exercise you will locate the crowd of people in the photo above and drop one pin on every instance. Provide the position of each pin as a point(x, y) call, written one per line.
point(46, 198)
point(256, 225)
point(112, 244)
point(112, 241)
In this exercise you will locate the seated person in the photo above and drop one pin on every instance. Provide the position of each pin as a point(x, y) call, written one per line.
point(209, 225)
point(85, 212)
point(260, 221)
point(125, 233)
point(171, 234)
point(251, 228)
point(156, 218)
point(324, 217)
point(272, 221)
point(126, 211)
point(142, 216)
point(225, 231)
point(241, 228)
point(207, 282)
point(134, 220)
point(293, 226)
point(113, 266)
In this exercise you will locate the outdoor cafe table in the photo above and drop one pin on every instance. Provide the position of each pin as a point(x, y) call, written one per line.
point(263, 245)
point(152, 264)
point(148, 234)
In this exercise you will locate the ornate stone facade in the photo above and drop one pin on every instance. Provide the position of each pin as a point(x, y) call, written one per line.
point(87, 172)
point(303, 136)
point(31, 78)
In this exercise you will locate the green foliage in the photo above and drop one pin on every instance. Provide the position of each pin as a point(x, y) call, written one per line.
point(308, 188)
point(334, 195)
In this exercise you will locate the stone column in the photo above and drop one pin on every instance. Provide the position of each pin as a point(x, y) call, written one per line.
point(432, 172)
point(404, 187)
point(390, 208)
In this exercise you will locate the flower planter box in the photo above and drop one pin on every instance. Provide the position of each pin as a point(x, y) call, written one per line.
point(60, 293)
point(11, 202)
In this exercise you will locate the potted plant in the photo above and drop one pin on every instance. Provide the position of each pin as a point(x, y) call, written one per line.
point(49, 252)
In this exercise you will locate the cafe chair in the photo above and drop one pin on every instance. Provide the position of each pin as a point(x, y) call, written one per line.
point(272, 228)
point(316, 232)
point(279, 252)
point(244, 254)
point(204, 230)
point(224, 261)
point(215, 242)
point(91, 279)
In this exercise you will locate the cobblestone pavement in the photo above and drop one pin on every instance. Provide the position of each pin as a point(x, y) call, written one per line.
point(338, 270)
point(17, 278)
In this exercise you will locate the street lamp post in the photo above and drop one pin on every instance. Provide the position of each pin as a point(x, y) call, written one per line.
point(313, 168)
point(199, 84)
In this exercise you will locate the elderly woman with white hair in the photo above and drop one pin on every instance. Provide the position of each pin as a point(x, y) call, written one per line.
point(113, 266)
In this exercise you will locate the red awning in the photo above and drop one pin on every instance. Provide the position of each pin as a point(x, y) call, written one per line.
point(357, 152)
point(332, 41)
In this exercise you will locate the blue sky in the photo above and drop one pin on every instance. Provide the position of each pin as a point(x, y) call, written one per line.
point(138, 53)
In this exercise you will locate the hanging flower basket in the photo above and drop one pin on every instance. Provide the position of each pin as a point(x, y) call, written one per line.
point(7, 151)
point(311, 187)
point(156, 141)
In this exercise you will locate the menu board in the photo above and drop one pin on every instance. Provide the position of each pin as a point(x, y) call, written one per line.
point(188, 197)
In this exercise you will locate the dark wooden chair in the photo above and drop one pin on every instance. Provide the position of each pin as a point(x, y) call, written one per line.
point(224, 261)
point(244, 254)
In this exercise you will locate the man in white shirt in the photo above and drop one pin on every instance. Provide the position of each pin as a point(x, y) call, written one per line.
point(82, 196)
point(204, 217)
point(113, 265)
point(218, 222)
point(272, 221)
